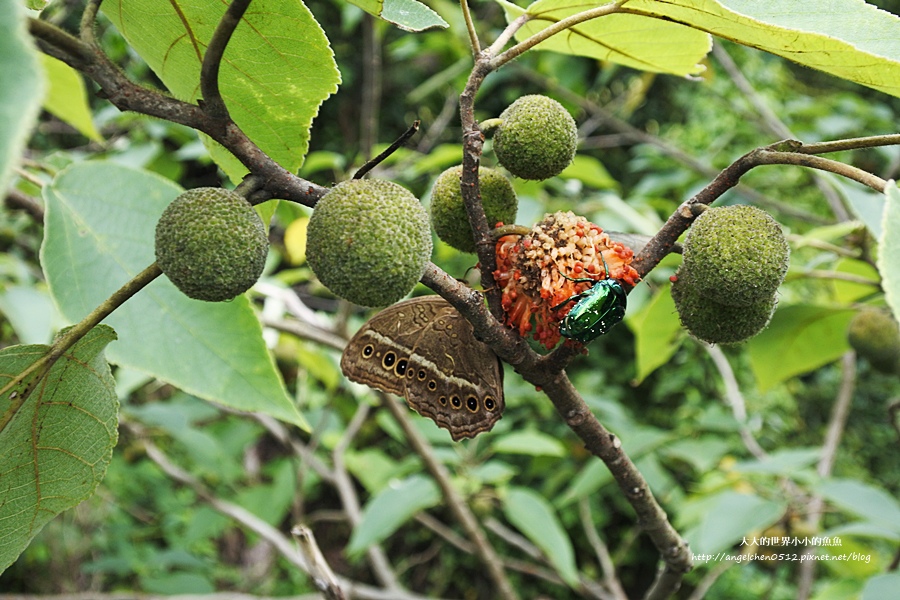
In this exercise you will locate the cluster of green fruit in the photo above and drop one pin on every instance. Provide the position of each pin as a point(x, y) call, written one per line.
point(368, 240)
point(735, 257)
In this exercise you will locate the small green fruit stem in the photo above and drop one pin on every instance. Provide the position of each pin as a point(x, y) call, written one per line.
point(489, 125)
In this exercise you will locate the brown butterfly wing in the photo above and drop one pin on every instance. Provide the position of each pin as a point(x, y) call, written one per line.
point(454, 379)
point(424, 350)
point(379, 352)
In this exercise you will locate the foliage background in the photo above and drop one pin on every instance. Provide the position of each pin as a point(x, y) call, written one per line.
point(658, 140)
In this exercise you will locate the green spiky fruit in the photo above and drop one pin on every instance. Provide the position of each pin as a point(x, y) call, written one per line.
point(717, 323)
point(874, 334)
point(536, 138)
point(211, 244)
point(736, 255)
point(448, 213)
point(368, 241)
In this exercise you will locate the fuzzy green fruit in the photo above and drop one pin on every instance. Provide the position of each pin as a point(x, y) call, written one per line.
point(736, 255)
point(716, 323)
point(536, 138)
point(211, 244)
point(448, 213)
point(368, 241)
point(874, 334)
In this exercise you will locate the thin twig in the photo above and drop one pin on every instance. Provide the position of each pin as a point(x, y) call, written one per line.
point(212, 102)
point(320, 571)
point(129, 96)
point(279, 541)
point(640, 136)
point(836, 425)
point(776, 126)
point(774, 157)
point(735, 399)
point(377, 558)
point(404, 137)
point(559, 26)
point(16, 199)
point(470, 26)
point(455, 502)
point(370, 101)
point(780, 153)
point(88, 20)
point(838, 275)
point(872, 141)
point(610, 580)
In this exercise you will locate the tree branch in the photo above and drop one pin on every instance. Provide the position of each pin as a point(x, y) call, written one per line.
point(128, 96)
point(455, 502)
point(557, 27)
point(212, 102)
point(786, 152)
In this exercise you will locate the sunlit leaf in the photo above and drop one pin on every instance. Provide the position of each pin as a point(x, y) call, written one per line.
point(634, 41)
point(889, 248)
point(277, 70)
point(66, 97)
point(850, 39)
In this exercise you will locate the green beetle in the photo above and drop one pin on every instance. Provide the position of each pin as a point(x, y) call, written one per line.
point(597, 309)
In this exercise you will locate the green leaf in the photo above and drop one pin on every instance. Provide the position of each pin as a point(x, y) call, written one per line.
point(56, 445)
point(634, 41)
point(800, 338)
point(405, 14)
point(889, 248)
point(21, 87)
point(271, 502)
point(531, 514)
point(100, 226)
point(391, 508)
point(656, 330)
point(847, 292)
point(866, 204)
point(782, 462)
point(591, 478)
point(866, 529)
point(30, 312)
point(530, 442)
point(651, 38)
point(850, 39)
point(67, 99)
point(374, 469)
point(730, 516)
point(276, 72)
point(590, 172)
point(881, 586)
point(857, 498)
point(702, 453)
